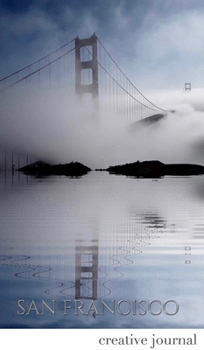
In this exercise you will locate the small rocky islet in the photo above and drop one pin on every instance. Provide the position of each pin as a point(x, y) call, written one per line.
point(42, 169)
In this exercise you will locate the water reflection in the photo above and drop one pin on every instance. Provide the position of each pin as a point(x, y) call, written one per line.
point(102, 239)
point(86, 269)
point(95, 266)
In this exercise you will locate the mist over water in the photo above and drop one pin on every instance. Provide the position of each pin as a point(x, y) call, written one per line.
point(53, 126)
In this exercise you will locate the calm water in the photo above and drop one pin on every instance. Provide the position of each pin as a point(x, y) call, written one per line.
point(102, 251)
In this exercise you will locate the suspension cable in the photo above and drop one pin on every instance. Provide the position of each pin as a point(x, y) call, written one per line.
point(37, 70)
point(123, 87)
point(39, 60)
point(128, 78)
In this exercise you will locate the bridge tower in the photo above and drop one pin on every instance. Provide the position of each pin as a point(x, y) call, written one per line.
point(187, 87)
point(92, 65)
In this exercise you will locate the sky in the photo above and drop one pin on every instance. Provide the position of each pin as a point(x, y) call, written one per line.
point(158, 44)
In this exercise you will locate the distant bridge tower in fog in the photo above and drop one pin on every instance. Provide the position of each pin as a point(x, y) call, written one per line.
point(187, 87)
point(86, 67)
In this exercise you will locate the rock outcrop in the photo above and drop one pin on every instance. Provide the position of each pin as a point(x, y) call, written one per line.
point(155, 169)
point(39, 168)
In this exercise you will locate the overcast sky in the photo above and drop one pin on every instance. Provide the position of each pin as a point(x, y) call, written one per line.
point(158, 43)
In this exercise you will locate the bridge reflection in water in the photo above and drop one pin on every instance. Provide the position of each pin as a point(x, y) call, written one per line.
point(86, 269)
point(97, 265)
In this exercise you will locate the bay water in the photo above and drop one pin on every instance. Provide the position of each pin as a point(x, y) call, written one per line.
point(101, 251)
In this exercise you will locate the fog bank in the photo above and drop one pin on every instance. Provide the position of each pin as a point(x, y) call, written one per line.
point(56, 128)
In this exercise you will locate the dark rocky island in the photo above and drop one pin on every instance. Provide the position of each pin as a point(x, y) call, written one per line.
point(155, 169)
point(41, 169)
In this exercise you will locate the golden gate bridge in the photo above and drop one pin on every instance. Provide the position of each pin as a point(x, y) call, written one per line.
point(85, 69)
